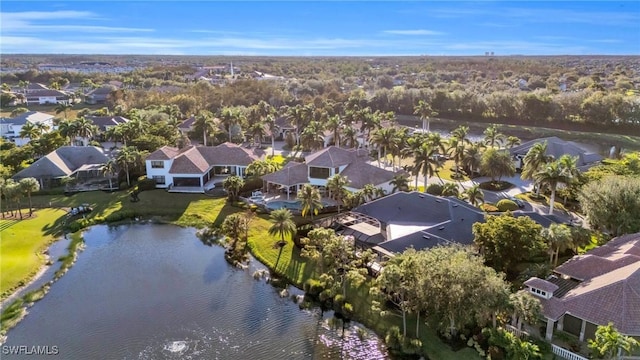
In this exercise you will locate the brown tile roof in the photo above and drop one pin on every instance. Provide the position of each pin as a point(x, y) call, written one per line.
point(332, 157)
point(608, 293)
point(164, 153)
point(63, 162)
point(543, 285)
point(230, 154)
point(189, 162)
point(293, 173)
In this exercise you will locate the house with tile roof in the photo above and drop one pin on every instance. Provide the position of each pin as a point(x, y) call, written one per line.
point(593, 289)
point(47, 96)
point(196, 168)
point(318, 167)
point(10, 128)
point(557, 147)
point(81, 162)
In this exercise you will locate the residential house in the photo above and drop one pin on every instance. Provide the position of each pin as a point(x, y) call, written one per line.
point(196, 168)
point(47, 96)
point(186, 126)
point(104, 123)
point(416, 220)
point(83, 163)
point(10, 128)
point(593, 289)
point(557, 147)
point(323, 164)
point(99, 95)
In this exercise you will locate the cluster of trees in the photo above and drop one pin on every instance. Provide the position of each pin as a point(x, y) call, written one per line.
point(13, 192)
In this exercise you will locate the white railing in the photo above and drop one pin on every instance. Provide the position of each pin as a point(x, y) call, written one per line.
point(566, 354)
point(623, 357)
point(515, 331)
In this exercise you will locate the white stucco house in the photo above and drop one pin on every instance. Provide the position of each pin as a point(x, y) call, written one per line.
point(10, 128)
point(318, 167)
point(196, 168)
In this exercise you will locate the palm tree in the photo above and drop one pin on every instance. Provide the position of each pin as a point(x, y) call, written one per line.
point(350, 137)
point(400, 182)
point(559, 238)
point(474, 195)
point(425, 112)
point(472, 158)
point(29, 130)
point(295, 115)
point(232, 185)
point(108, 170)
point(205, 120)
point(62, 108)
point(282, 224)
point(382, 139)
point(369, 191)
point(334, 124)
point(13, 193)
point(425, 162)
point(535, 159)
point(230, 117)
point(29, 185)
point(496, 164)
point(552, 175)
point(512, 141)
point(311, 137)
point(450, 189)
point(610, 344)
point(493, 136)
point(270, 122)
point(84, 128)
point(525, 308)
point(462, 133)
point(456, 150)
point(436, 141)
point(69, 130)
point(127, 158)
point(311, 200)
point(336, 185)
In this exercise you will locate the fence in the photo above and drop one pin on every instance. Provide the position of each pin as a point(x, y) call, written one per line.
point(566, 354)
point(515, 331)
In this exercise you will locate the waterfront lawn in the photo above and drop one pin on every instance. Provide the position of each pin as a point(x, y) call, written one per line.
point(21, 248)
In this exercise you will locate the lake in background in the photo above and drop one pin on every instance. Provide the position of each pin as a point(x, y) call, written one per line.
point(156, 292)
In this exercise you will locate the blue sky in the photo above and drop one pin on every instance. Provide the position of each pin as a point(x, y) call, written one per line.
point(320, 28)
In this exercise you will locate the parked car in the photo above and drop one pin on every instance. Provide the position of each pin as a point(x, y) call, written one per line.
point(518, 202)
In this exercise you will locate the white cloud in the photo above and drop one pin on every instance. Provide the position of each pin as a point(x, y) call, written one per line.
point(412, 32)
point(31, 22)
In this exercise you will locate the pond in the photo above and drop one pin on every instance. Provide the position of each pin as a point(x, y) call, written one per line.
point(156, 292)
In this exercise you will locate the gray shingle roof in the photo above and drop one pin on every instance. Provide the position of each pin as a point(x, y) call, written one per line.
point(33, 117)
point(293, 173)
point(164, 153)
point(557, 147)
point(331, 157)
point(63, 162)
point(197, 159)
point(361, 173)
point(103, 121)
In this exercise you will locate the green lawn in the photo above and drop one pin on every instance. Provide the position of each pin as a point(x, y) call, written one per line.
point(23, 242)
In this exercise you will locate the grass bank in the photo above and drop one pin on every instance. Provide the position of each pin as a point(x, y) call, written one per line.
point(22, 248)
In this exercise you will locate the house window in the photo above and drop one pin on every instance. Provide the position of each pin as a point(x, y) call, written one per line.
point(159, 179)
point(157, 164)
point(319, 173)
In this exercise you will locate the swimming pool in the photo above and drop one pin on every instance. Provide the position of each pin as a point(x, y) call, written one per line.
point(291, 205)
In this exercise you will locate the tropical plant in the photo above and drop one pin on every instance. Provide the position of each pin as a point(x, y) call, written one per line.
point(311, 200)
point(610, 344)
point(63, 108)
point(552, 175)
point(560, 238)
point(68, 129)
point(400, 182)
point(425, 112)
point(336, 185)
point(425, 162)
point(496, 164)
point(84, 128)
point(29, 130)
point(29, 185)
point(127, 158)
point(207, 123)
point(108, 170)
point(512, 141)
point(450, 189)
point(535, 159)
point(525, 307)
point(283, 224)
point(492, 136)
point(474, 195)
point(232, 184)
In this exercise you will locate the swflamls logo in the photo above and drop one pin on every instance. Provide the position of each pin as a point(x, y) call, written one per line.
point(30, 350)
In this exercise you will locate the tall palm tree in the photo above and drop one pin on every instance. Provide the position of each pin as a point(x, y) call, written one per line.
point(535, 159)
point(29, 185)
point(450, 189)
point(85, 128)
point(336, 185)
point(108, 170)
point(311, 137)
point(334, 124)
point(350, 136)
point(311, 200)
point(436, 141)
point(369, 191)
point(456, 150)
point(400, 182)
point(425, 162)
point(68, 129)
point(425, 112)
point(559, 238)
point(205, 120)
point(462, 133)
point(127, 159)
point(295, 116)
point(232, 184)
point(63, 108)
point(231, 117)
point(472, 158)
point(283, 224)
point(270, 122)
point(492, 136)
point(552, 175)
point(382, 139)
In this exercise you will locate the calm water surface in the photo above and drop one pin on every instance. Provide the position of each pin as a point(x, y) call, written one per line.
point(156, 292)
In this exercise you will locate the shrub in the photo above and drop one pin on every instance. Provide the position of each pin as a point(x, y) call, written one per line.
point(79, 224)
point(251, 184)
point(120, 215)
point(313, 287)
point(506, 205)
point(434, 189)
point(487, 207)
point(146, 184)
point(123, 185)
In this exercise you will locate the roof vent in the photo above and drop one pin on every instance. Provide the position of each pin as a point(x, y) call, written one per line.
point(455, 205)
point(441, 228)
point(421, 196)
point(438, 200)
point(426, 237)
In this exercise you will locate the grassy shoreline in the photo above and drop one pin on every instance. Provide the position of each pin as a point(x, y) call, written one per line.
point(199, 211)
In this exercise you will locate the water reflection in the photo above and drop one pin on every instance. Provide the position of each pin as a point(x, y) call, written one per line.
point(156, 292)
